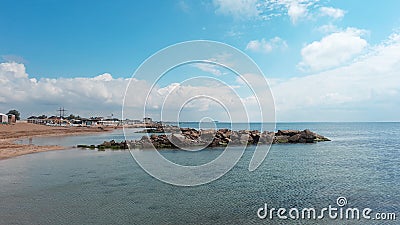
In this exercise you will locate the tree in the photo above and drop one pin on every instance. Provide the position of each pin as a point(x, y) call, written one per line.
point(72, 116)
point(14, 112)
point(42, 117)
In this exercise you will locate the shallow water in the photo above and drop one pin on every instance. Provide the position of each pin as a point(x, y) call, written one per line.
point(90, 187)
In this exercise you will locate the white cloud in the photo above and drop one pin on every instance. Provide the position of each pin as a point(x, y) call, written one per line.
point(44, 95)
point(240, 9)
point(367, 89)
point(333, 50)
point(104, 77)
point(184, 6)
point(209, 68)
point(364, 89)
point(265, 46)
point(328, 28)
point(335, 13)
point(305, 9)
point(103, 95)
point(12, 70)
point(296, 11)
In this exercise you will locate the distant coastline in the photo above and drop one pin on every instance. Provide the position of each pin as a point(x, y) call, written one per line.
point(9, 133)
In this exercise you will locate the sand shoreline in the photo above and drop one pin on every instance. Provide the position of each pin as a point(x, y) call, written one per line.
point(10, 133)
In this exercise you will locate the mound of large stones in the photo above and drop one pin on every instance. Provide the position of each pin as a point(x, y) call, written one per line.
point(188, 137)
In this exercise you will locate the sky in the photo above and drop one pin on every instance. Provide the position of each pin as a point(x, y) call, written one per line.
point(325, 60)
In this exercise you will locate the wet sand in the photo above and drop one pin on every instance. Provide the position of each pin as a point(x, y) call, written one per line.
point(10, 133)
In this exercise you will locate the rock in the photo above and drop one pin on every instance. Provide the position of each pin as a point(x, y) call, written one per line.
point(308, 136)
point(147, 145)
point(295, 138)
point(287, 132)
point(213, 138)
point(281, 139)
point(145, 138)
point(153, 136)
point(244, 139)
point(107, 144)
point(180, 140)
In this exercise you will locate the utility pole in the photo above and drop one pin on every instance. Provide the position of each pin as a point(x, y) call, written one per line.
point(62, 112)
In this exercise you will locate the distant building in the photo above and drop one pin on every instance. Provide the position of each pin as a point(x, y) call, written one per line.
point(147, 120)
point(128, 122)
point(110, 122)
point(52, 120)
point(3, 118)
point(11, 118)
point(137, 122)
point(84, 122)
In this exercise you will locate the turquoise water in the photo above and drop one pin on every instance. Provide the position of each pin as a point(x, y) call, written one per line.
point(90, 187)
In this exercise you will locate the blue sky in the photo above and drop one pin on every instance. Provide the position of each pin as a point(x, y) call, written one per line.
point(84, 39)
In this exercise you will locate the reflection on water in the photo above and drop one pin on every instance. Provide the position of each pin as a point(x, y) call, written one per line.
point(90, 187)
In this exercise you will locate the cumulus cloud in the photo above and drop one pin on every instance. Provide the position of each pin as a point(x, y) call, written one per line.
point(266, 46)
point(364, 89)
point(240, 9)
point(333, 50)
point(296, 10)
point(44, 95)
point(367, 89)
point(209, 68)
point(335, 13)
point(328, 28)
point(103, 95)
point(305, 9)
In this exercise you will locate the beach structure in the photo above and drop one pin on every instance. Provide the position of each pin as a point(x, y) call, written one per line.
point(11, 118)
point(147, 120)
point(137, 122)
point(52, 120)
point(39, 120)
point(76, 122)
point(84, 122)
point(3, 118)
point(109, 122)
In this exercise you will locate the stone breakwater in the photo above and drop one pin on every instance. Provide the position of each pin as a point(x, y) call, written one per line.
point(188, 137)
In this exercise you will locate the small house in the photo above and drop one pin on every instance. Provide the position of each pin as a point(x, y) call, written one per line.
point(3, 118)
point(11, 118)
point(147, 120)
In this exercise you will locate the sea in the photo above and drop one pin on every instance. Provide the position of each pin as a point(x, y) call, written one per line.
point(358, 169)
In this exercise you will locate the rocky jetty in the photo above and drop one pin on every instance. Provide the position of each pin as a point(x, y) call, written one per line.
point(188, 137)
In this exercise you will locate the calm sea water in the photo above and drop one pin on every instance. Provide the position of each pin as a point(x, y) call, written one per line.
point(90, 187)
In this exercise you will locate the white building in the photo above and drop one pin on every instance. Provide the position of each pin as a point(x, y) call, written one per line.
point(147, 120)
point(3, 118)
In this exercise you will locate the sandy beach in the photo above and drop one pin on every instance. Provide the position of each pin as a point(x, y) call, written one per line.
point(10, 133)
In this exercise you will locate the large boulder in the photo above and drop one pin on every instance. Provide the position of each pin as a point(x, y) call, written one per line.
point(287, 132)
point(295, 138)
point(308, 136)
point(266, 137)
point(281, 139)
point(180, 140)
point(244, 139)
